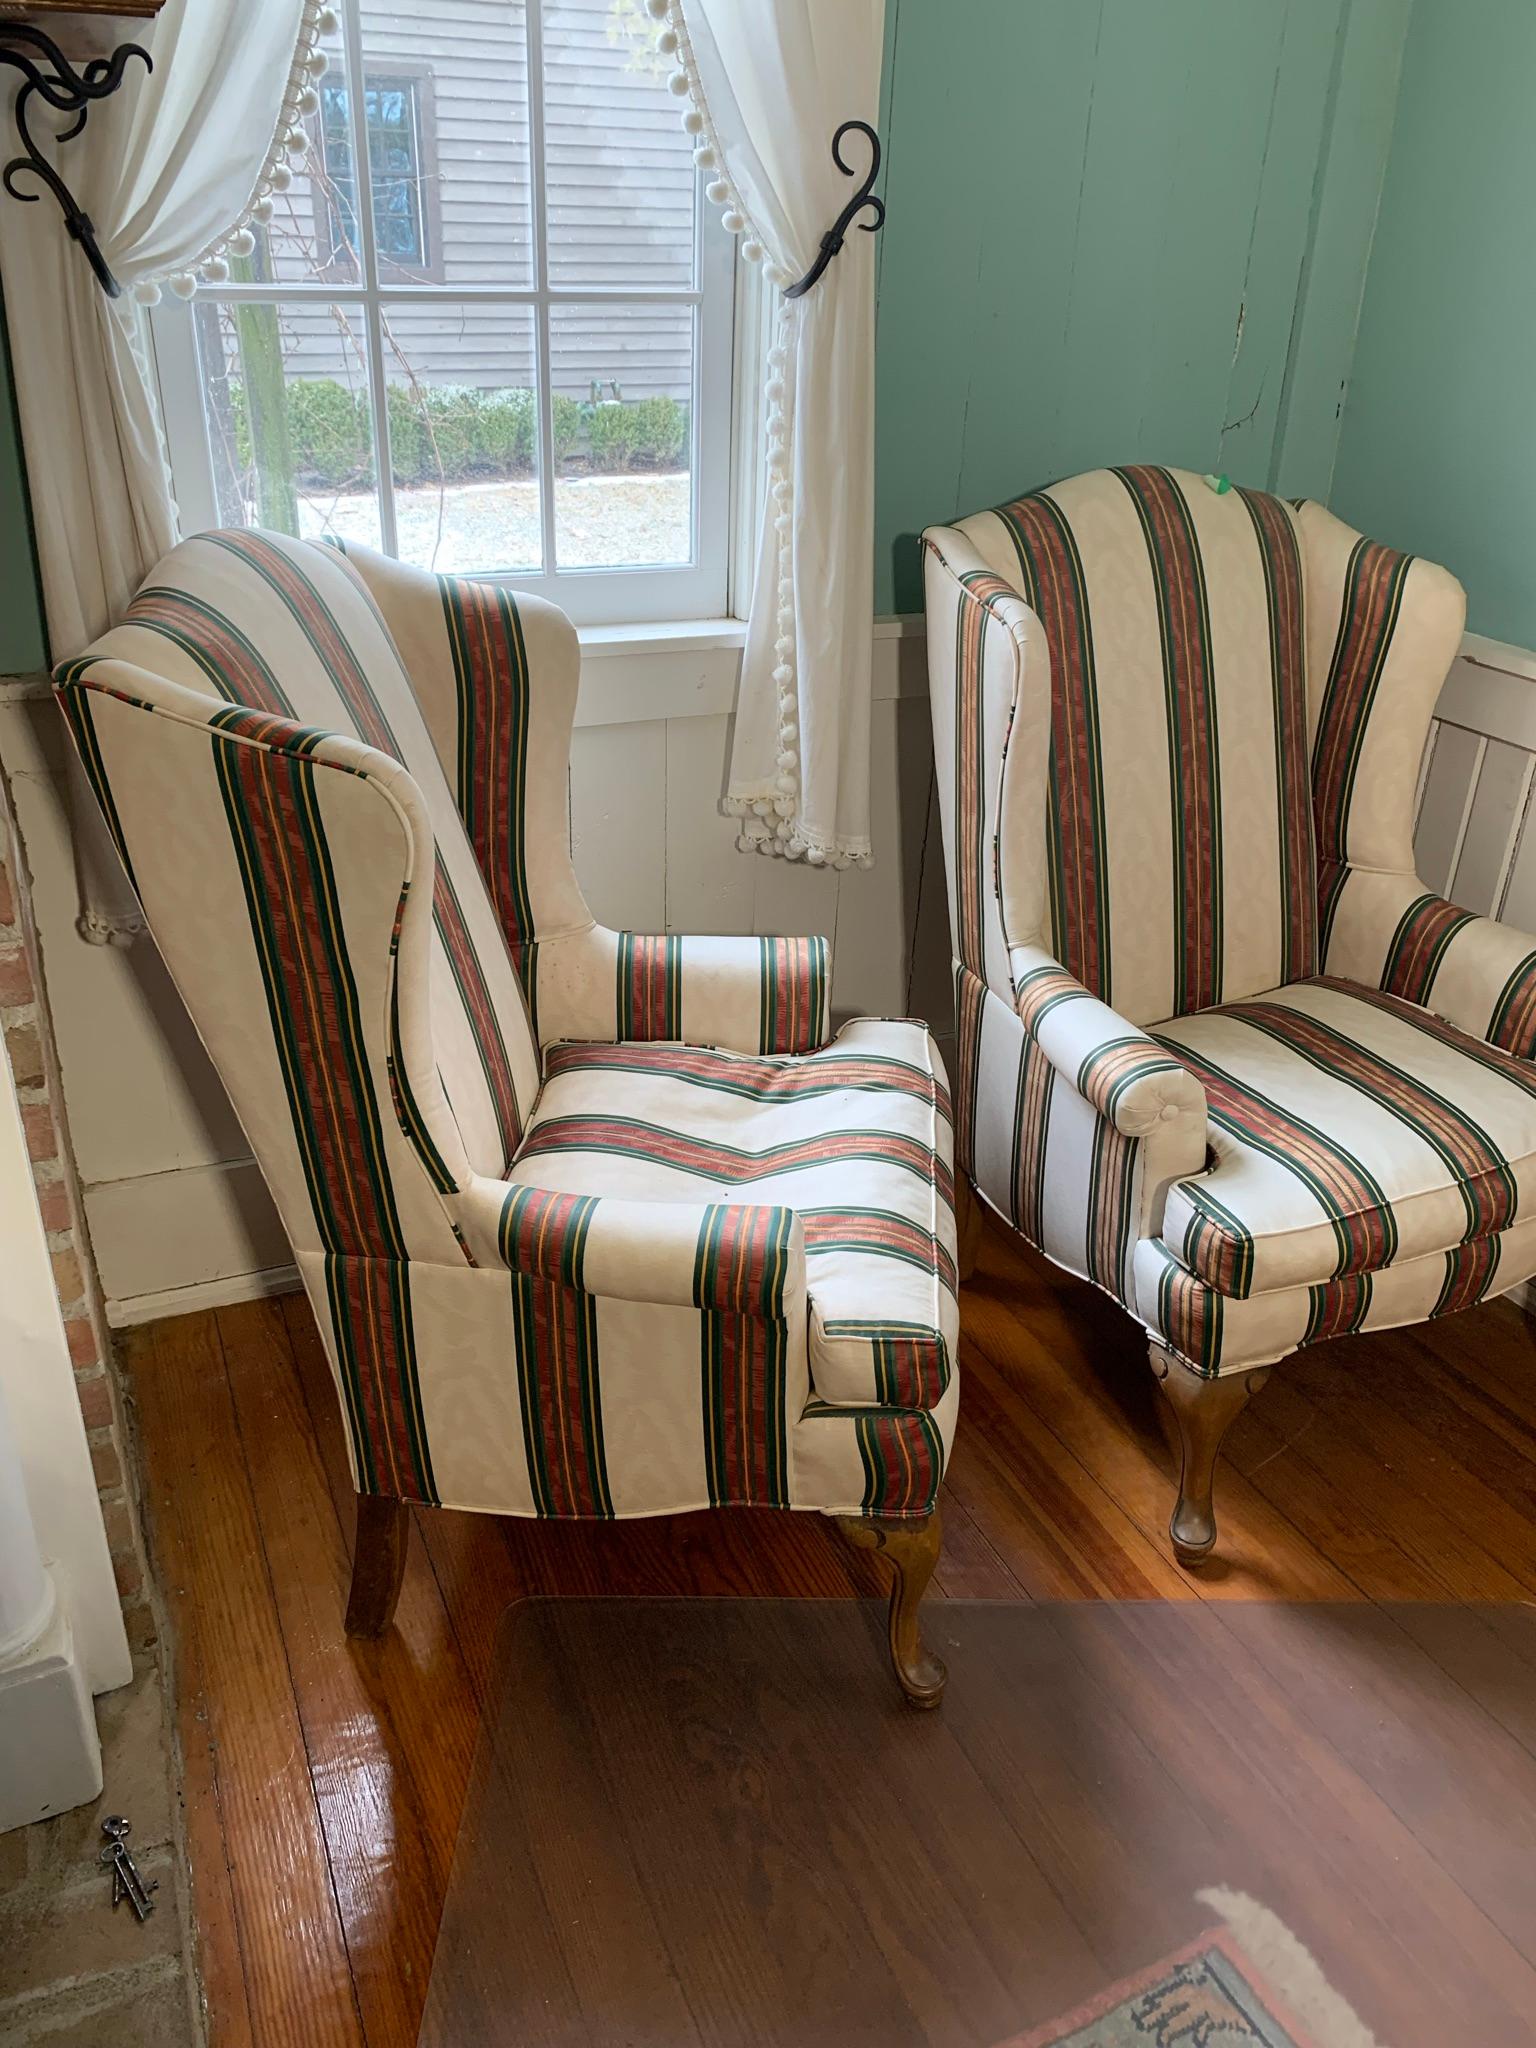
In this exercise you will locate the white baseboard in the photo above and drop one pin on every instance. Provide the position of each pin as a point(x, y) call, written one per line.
point(130, 1309)
point(50, 1759)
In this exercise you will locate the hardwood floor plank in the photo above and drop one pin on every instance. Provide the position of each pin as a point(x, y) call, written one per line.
point(1398, 1467)
point(207, 1550)
point(393, 1720)
point(1079, 1363)
point(209, 1842)
point(1356, 1446)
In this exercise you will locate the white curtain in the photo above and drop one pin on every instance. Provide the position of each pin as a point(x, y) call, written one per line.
point(170, 170)
point(769, 83)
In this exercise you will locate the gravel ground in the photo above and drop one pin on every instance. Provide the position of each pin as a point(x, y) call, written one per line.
point(600, 522)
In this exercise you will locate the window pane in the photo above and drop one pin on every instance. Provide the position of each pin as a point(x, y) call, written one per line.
point(619, 173)
point(463, 434)
point(447, 120)
point(285, 397)
point(623, 418)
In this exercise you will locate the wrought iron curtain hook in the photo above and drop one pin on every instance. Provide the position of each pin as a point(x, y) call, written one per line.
point(835, 236)
point(68, 91)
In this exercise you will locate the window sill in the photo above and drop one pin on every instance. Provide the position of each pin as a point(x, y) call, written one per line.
point(663, 636)
point(688, 668)
point(668, 636)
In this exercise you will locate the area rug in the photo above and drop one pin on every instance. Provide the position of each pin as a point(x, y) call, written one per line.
point(1248, 1983)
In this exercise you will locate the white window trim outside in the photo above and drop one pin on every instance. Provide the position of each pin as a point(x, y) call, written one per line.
point(728, 329)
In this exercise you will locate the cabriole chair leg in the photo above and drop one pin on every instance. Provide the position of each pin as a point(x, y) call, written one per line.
point(912, 1548)
point(967, 1225)
point(1205, 1410)
point(378, 1563)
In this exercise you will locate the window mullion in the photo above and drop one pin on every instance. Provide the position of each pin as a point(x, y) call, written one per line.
point(357, 107)
point(534, 24)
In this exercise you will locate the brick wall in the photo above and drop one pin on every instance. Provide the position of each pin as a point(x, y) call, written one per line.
point(28, 1037)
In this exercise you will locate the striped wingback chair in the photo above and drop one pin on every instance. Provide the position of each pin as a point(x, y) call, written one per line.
point(1220, 1051)
point(593, 1224)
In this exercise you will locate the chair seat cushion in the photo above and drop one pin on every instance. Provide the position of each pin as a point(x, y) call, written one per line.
point(857, 1138)
point(1349, 1131)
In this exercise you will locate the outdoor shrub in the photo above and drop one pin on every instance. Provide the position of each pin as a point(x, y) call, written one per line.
point(612, 437)
point(661, 432)
point(328, 431)
point(451, 432)
point(568, 423)
point(409, 449)
point(452, 421)
point(505, 433)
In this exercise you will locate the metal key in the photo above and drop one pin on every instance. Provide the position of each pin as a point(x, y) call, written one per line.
point(126, 1880)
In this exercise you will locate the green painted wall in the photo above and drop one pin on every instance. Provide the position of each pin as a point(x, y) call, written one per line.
point(1438, 453)
point(1118, 231)
point(23, 644)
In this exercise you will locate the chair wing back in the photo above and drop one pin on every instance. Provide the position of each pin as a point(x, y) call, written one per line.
point(1176, 843)
point(288, 631)
point(277, 868)
point(495, 678)
point(1382, 630)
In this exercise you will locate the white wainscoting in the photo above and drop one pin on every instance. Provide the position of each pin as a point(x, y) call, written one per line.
point(1476, 784)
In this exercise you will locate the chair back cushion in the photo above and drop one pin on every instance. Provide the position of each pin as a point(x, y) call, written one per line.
point(289, 629)
point(1178, 851)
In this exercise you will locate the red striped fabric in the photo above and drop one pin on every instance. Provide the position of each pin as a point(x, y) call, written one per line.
point(1372, 596)
point(1469, 1271)
point(1274, 526)
point(769, 1080)
point(878, 1232)
point(726, 1163)
point(1418, 946)
point(1053, 583)
point(491, 672)
point(1179, 580)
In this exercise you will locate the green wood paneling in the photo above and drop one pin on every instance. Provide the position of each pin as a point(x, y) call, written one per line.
point(1119, 231)
point(1438, 452)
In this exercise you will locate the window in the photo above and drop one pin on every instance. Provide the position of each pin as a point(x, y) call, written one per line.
point(392, 122)
point(488, 327)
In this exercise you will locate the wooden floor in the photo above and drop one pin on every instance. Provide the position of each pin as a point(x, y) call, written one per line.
point(324, 1778)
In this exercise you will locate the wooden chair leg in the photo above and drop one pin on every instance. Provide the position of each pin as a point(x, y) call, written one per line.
point(1205, 1410)
point(378, 1563)
point(967, 1225)
point(913, 1550)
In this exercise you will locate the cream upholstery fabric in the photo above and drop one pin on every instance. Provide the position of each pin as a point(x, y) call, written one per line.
point(339, 788)
point(1219, 1050)
point(869, 1179)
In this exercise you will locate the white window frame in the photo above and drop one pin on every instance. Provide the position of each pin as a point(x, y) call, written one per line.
point(701, 589)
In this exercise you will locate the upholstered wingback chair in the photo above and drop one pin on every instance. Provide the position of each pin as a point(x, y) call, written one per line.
point(1220, 1050)
point(592, 1224)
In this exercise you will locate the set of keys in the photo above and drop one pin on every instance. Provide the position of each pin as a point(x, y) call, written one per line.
point(126, 1880)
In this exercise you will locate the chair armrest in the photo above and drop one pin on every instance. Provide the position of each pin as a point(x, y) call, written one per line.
point(745, 1258)
point(1388, 931)
point(745, 994)
point(1133, 1082)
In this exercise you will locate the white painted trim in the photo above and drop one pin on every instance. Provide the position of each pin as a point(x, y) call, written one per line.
point(690, 669)
point(1499, 654)
point(221, 1293)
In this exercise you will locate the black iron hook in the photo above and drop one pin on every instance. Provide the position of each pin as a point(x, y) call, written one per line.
point(833, 239)
point(68, 91)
